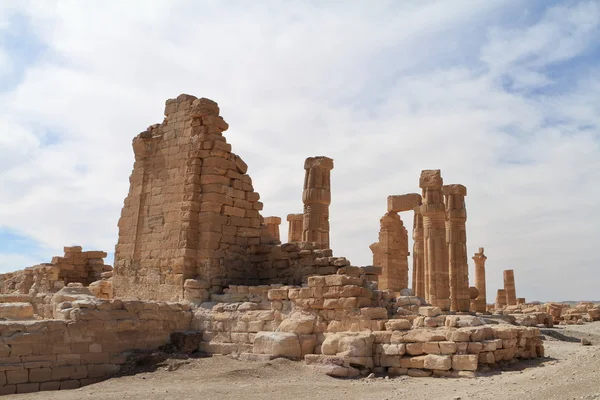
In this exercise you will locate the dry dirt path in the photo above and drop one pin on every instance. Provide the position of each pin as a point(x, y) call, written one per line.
point(571, 371)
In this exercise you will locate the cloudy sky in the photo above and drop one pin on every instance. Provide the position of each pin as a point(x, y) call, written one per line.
point(502, 95)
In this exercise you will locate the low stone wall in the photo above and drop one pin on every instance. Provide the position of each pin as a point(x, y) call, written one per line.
point(339, 324)
point(87, 345)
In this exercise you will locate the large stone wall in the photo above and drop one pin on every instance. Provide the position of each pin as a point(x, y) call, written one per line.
point(86, 345)
point(192, 214)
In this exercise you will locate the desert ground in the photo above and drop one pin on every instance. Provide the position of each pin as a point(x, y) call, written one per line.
point(569, 371)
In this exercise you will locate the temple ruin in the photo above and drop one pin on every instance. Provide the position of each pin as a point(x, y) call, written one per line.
point(198, 268)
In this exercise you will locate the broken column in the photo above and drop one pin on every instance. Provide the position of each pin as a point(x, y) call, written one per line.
point(295, 227)
point(481, 301)
point(418, 255)
point(394, 250)
point(393, 242)
point(500, 298)
point(456, 242)
point(509, 287)
point(437, 287)
point(317, 198)
point(376, 250)
point(272, 224)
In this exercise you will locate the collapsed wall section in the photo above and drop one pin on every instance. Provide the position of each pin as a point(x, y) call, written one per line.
point(76, 266)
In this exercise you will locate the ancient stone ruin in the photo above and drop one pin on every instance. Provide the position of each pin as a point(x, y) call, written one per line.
point(198, 268)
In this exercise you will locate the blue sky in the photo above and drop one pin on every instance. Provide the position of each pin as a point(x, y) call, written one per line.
point(503, 96)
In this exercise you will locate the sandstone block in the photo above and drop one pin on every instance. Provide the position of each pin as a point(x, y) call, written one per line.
point(430, 311)
point(40, 374)
point(438, 362)
point(28, 388)
point(17, 376)
point(414, 349)
point(341, 280)
point(431, 348)
point(464, 362)
point(16, 310)
point(398, 325)
point(448, 347)
point(405, 202)
point(281, 344)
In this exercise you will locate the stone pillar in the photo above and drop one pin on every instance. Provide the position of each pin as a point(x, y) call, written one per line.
point(396, 254)
point(393, 242)
point(317, 198)
point(456, 242)
point(481, 300)
point(418, 255)
point(509, 287)
point(501, 298)
point(295, 227)
point(437, 286)
point(521, 300)
point(376, 250)
point(272, 224)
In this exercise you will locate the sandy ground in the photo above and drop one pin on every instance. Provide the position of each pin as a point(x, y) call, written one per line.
point(569, 371)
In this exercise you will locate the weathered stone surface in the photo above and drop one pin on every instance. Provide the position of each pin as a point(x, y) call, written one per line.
point(439, 362)
point(16, 310)
point(464, 362)
point(282, 344)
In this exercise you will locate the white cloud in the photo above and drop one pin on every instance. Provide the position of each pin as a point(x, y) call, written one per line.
point(386, 90)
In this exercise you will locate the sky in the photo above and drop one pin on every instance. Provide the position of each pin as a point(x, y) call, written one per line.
point(502, 95)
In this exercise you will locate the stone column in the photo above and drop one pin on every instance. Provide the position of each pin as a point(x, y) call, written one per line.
point(376, 250)
point(456, 242)
point(317, 198)
point(295, 227)
point(418, 255)
point(481, 300)
point(393, 253)
point(272, 224)
point(509, 287)
point(437, 286)
point(501, 298)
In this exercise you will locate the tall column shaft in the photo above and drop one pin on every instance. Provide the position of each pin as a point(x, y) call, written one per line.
point(295, 227)
point(317, 198)
point(481, 301)
point(456, 242)
point(418, 255)
point(437, 287)
point(509, 287)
